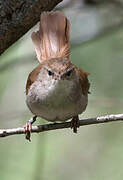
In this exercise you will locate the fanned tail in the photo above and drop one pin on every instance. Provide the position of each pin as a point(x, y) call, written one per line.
point(52, 38)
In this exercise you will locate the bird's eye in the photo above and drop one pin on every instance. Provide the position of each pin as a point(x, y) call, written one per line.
point(69, 73)
point(50, 73)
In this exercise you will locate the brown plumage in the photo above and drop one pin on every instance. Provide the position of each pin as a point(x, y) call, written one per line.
point(83, 78)
point(52, 39)
point(55, 66)
point(32, 77)
point(56, 89)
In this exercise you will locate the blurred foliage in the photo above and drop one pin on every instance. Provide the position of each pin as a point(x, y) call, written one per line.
point(95, 153)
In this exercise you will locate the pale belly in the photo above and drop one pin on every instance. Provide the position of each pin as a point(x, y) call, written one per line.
point(58, 103)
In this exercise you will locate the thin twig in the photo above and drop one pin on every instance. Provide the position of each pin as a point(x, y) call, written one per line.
point(53, 126)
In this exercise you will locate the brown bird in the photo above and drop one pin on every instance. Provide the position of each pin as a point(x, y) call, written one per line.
point(56, 89)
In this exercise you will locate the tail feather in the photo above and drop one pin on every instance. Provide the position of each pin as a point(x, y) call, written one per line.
point(52, 39)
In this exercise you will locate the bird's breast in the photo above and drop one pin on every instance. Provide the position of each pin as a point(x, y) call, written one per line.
point(56, 100)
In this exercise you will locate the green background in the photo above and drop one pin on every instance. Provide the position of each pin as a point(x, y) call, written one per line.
point(96, 152)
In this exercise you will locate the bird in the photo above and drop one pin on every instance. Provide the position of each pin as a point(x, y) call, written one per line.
point(56, 89)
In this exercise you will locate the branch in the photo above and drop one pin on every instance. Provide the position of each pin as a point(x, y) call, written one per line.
point(17, 17)
point(48, 127)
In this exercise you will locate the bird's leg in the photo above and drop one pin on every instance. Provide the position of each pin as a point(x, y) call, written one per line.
point(28, 127)
point(75, 123)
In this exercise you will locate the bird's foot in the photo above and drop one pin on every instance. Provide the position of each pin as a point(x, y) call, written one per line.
point(28, 127)
point(75, 123)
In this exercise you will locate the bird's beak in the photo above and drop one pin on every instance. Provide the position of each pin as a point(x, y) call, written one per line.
point(59, 77)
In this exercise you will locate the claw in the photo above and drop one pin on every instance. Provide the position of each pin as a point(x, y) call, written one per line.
point(75, 124)
point(28, 127)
